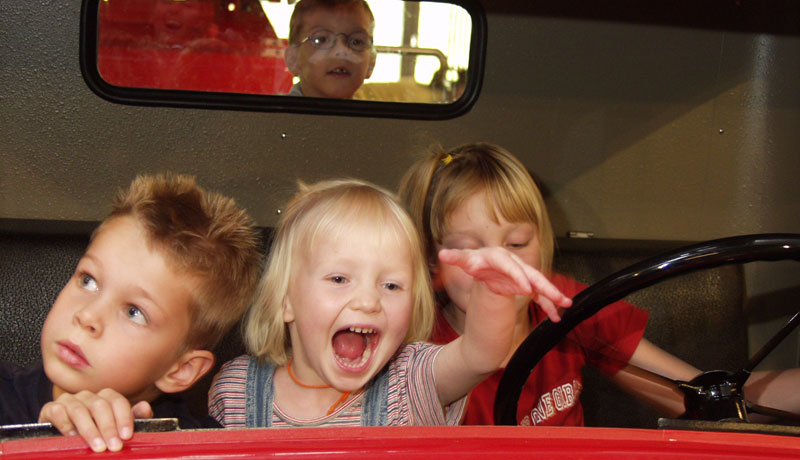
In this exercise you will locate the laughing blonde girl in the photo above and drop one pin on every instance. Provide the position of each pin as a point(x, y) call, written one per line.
point(335, 335)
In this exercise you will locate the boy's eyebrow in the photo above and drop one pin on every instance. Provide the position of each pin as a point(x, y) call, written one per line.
point(88, 255)
point(316, 28)
point(140, 291)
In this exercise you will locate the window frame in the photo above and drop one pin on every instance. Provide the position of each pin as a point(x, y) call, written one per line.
point(285, 103)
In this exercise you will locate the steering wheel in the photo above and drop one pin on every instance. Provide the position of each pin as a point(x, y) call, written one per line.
point(714, 395)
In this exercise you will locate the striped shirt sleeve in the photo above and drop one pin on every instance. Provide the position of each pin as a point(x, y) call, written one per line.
point(413, 397)
point(226, 397)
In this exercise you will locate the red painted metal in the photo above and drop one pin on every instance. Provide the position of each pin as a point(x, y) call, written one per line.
point(441, 443)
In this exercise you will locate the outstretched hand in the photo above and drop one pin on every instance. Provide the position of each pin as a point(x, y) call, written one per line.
point(103, 419)
point(506, 274)
point(492, 311)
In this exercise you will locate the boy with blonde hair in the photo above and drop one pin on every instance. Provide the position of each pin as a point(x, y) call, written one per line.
point(165, 276)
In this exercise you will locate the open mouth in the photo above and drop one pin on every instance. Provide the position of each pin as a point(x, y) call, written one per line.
point(353, 347)
point(339, 72)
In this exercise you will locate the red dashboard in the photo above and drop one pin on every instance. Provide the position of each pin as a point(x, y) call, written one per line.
point(489, 443)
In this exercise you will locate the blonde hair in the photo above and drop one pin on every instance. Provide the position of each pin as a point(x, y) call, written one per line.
point(329, 208)
point(438, 184)
point(203, 235)
point(303, 7)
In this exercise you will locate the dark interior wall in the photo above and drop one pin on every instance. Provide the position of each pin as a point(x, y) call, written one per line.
point(642, 121)
point(636, 129)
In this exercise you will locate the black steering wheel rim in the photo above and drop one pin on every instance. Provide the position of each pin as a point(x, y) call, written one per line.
point(709, 254)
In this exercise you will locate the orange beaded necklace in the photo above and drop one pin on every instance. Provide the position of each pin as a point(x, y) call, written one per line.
point(338, 402)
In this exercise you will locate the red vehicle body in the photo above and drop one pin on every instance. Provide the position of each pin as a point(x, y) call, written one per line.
point(424, 443)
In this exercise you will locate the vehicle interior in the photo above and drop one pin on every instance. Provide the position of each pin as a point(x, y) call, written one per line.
point(650, 126)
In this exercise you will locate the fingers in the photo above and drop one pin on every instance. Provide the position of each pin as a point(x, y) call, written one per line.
point(506, 274)
point(142, 409)
point(501, 274)
point(547, 291)
point(549, 308)
point(56, 414)
point(102, 419)
point(120, 421)
point(98, 415)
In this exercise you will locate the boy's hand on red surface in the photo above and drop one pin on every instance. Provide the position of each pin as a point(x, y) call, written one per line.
point(103, 419)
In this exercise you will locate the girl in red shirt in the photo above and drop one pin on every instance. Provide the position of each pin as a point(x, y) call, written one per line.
point(480, 195)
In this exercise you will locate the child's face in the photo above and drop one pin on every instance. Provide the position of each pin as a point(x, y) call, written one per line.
point(349, 307)
point(339, 71)
point(121, 320)
point(471, 227)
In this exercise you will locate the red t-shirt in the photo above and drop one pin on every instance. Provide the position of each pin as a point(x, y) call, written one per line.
point(550, 396)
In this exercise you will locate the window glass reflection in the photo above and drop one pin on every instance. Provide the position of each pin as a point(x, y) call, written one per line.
point(198, 45)
point(239, 46)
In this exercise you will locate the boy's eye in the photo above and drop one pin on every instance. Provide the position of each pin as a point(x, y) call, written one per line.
point(136, 315)
point(359, 41)
point(325, 39)
point(338, 279)
point(517, 245)
point(87, 282)
point(319, 40)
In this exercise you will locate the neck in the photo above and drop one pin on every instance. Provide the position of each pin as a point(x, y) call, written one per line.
point(339, 402)
point(522, 327)
point(298, 382)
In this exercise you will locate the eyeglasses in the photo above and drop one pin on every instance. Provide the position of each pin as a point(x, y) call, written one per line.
point(325, 39)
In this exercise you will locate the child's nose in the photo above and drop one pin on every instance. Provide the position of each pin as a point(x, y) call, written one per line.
point(368, 300)
point(340, 45)
point(89, 318)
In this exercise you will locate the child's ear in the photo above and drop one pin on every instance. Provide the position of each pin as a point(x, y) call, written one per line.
point(372, 57)
point(290, 56)
point(188, 369)
point(288, 311)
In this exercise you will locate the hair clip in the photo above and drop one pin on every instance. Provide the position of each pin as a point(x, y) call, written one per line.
point(448, 159)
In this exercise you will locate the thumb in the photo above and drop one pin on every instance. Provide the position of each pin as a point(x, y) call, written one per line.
point(142, 409)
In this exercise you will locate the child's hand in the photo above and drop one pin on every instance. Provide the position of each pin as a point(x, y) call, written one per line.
point(506, 274)
point(103, 419)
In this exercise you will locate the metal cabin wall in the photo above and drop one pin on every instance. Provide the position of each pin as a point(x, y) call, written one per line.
point(635, 130)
